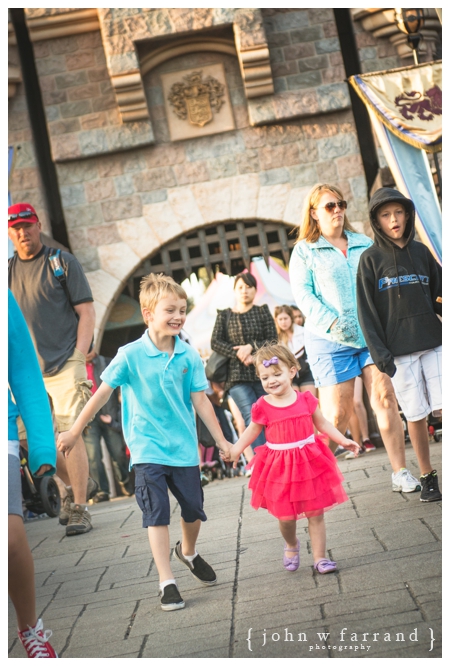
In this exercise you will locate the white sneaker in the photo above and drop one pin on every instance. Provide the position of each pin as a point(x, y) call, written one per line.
point(405, 482)
point(350, 455)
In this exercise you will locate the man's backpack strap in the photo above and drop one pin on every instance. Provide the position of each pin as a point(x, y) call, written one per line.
point(58, 271)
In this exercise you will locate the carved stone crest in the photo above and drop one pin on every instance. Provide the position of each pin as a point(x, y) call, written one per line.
point(197, 101)
point(196, 98)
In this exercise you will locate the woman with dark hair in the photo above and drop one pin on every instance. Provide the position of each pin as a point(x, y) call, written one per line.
point(292, 336)
point(322, 273)
point(237, 335)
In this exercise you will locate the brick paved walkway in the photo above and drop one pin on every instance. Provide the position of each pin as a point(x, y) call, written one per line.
point(99, 594)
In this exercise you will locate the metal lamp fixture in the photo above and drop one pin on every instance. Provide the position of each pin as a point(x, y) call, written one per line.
point(410, 21)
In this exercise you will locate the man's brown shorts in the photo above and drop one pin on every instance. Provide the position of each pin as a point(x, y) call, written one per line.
point(69, 391)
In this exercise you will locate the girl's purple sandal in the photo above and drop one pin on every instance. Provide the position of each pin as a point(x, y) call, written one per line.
point(325, 566)
point(292, 563)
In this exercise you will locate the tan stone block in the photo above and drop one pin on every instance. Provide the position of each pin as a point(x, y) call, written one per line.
point(334, 74)
point(104, 287)
point(90, 40)
point(138, 235)
point(100, 190)
point(294, 206)
point(214, 199)
point(191, 172)
point(346, 189)
point(80, 60)
point(244, 196)
point(335, 59)
point(104, 235)
point(98, 74)
point(319, 129)
point(272, 201)
point(185, 204)
point(328, 171)
point(47, 83)
point(41, 49)
point(122, 209)
point(329, 29)
point(154, 179)
point(241, 116)
point(78, 239)
point(24, 179)
point(64, 126)
point(84, 92)
point(162, 219)
point(248, 162)
point(94, 120)
point(273, 157)
point(350, 166)
point(118, 259)
point(254, 137)
point(60, 45)
point(65, 147)
point(109, 166)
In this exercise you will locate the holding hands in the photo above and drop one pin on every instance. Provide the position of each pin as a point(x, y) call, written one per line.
point(65, 442)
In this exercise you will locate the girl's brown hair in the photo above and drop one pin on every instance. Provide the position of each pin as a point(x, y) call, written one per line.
point(268, 351)
point(309, 228)
point(282, 335)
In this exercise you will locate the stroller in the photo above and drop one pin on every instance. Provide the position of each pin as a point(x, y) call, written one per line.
point(39, 495)
point(434, 427)
point(212, 465)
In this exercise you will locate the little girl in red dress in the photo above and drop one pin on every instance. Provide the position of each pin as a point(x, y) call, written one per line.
point(294, 475)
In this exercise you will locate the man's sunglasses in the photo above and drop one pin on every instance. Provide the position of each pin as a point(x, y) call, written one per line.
point(331, 205)
point(24, 215)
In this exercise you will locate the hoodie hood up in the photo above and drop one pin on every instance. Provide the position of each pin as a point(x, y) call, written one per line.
point(386, 195)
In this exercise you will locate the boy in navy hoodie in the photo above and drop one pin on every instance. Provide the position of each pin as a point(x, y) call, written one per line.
point(399, 297)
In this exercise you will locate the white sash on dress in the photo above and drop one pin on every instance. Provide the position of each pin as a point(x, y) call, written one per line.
point(292, 445)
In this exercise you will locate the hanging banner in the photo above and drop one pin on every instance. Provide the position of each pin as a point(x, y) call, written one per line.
point(411, 171)
point(408, 101)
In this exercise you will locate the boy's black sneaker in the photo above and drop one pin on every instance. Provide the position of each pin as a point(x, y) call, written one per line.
point(198, 567)
point(171, 598)
point(430, 487)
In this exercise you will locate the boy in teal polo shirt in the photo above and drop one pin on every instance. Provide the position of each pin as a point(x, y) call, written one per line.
point(162, 379)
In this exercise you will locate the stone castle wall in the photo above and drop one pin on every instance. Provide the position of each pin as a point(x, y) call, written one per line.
point(127, 189)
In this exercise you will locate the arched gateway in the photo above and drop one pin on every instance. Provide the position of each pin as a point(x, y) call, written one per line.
point(227, 247)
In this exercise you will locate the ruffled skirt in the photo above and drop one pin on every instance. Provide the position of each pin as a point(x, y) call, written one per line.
point(296, 483)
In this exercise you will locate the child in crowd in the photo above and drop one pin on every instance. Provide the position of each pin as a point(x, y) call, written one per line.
point(295, 475)
point(399, 297)
point(162, 379)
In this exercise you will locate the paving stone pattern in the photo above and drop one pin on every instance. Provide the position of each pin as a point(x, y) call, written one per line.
point(99, 592)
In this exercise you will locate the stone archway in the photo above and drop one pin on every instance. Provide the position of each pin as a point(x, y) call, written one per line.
point(225, 201)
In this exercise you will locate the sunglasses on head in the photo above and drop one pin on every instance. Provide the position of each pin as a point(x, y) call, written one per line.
point(331, 205)
point(24, 215)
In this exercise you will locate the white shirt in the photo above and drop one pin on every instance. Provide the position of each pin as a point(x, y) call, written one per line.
point(297, 343)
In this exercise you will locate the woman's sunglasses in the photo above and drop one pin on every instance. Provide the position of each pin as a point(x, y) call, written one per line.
point(331, 205)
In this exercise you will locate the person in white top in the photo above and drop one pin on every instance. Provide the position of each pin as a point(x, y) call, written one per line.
point(292, 335)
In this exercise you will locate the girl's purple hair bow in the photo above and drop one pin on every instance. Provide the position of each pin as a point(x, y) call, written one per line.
point(271, 361)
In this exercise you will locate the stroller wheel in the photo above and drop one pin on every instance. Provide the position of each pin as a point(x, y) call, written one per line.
point(49, 492)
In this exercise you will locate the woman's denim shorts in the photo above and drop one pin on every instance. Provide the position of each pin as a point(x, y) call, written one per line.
point(332, 363)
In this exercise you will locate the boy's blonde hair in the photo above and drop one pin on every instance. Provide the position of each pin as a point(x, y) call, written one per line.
point(268, 351)
point(154, 287)
point(309, 228)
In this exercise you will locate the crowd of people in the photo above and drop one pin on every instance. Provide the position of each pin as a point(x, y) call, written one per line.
point(367, 317)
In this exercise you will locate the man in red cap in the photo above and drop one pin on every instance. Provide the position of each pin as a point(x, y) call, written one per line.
point(56, 301)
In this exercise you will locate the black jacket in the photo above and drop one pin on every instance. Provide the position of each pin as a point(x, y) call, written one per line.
point(397, 291)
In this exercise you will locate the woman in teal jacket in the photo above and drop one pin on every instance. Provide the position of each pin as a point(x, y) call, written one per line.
point(322, 273)
point(27, 396)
